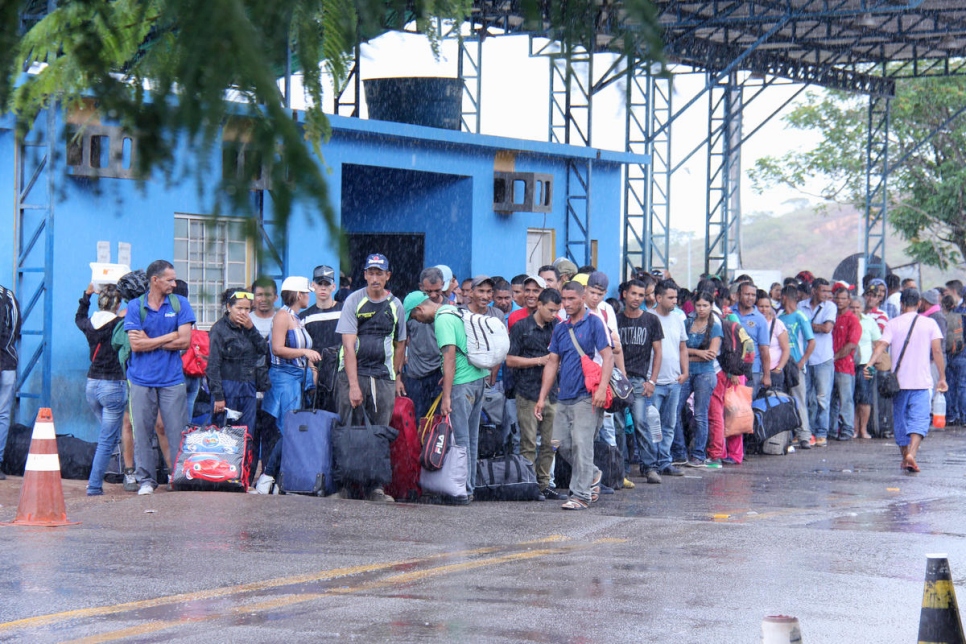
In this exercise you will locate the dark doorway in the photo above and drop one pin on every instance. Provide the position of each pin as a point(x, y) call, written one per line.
point(405, 254)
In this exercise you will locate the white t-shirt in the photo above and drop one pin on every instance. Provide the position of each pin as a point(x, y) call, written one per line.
point(264, 325)
point(674, 336)
point(775, 348)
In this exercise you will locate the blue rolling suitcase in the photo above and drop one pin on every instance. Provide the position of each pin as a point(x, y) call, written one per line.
point(307, 452)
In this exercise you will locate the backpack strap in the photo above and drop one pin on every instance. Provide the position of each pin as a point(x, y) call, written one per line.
point(142, 300)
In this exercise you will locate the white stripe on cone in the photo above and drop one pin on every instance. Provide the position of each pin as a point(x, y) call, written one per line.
point(44, 430)
point(42, 463)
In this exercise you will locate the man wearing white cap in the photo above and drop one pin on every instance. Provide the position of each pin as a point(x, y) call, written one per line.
point(532, 287)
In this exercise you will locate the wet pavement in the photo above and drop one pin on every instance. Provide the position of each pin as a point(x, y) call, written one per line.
point(835, 536)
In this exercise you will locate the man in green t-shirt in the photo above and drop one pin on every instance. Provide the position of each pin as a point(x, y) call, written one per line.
point(462, 382)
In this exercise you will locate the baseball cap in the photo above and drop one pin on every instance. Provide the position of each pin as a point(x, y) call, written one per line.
point(297, 284)
point(542, 283)
point(581, 278)
point(597, 279)
point(479, 279)
point(447, 274)
point(376, 261)
point(565, 266)
point(877, 281)
point(323, 274)
point(413, 300)
point(931, 296)
point(842, 284)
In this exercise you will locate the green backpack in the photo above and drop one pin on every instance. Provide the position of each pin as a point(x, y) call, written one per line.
point(119, 340)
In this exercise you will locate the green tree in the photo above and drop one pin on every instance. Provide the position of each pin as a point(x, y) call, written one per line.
point(926, 191)
point(163, 68)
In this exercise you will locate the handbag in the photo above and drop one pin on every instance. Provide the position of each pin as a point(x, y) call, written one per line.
point(888, 384)
point(790, 374)
point(361, 453)
point(592, 372)
point(436, 444)
point(738, 415)
point(450, 479)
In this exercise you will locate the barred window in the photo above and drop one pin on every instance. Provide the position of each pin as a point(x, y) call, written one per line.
point(211, 255)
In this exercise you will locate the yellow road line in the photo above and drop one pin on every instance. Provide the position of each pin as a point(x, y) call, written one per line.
point(291, 600)
point(43, 620)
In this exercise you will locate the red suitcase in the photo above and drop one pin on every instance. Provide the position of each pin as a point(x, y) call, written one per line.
point(404, 452)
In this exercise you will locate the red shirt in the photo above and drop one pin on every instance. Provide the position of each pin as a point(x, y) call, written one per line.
point(516, 316)
point(847, 330)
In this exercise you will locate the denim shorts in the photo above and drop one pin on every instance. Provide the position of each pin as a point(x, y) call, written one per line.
point(912, 414)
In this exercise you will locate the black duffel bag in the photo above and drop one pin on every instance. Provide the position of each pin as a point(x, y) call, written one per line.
point(506, 478)
point(361, 453)
point(76, 457)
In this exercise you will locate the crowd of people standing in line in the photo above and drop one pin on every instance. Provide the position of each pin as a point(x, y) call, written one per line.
point(829, 337)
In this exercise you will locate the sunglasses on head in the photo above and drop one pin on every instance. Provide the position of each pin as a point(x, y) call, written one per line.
point(240, 295)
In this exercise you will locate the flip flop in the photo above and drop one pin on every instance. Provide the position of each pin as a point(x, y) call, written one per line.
point(909, 465)
point(574, 504)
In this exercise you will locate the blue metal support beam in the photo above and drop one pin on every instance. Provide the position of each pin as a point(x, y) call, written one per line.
point(636, 176)
point(470, 71)
point(578, 210)
point(722, 227)
point(34, 189)
point(876, 178)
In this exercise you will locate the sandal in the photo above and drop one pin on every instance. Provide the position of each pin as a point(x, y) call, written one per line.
point(909, 465)
point(574, 504)
point(594, 496)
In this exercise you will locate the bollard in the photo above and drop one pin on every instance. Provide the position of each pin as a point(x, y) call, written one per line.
point(939, 621)
point(780, 629)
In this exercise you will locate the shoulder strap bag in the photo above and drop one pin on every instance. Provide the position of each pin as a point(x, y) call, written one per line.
point(888, 383)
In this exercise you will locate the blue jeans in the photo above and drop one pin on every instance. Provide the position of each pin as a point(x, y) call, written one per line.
point(956, 379)
point(191, 388)
point(423, 391)
point(608, 431)
point(467, 401)
point(8, 386)
point(842, 407)
point(657, 456)
point(820, 378)
point(239, 396)
point(702, 385)
point(108, 399)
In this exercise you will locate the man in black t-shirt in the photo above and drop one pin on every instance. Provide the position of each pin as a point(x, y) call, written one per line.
point(641, 335)
point(320, 321)
point(529, 352)
point(322, 317)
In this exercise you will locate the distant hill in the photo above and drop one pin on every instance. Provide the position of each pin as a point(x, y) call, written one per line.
point(811, 239)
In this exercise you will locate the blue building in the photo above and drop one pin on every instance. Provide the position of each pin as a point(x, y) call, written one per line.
point(422, 196)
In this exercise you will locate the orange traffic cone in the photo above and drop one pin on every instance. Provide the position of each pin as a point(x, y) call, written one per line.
point(42, 495)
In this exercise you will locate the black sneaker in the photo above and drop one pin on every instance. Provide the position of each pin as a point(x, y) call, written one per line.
point(805, 444)
point(670, 470)
point(553, 495)
point(604, 489)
